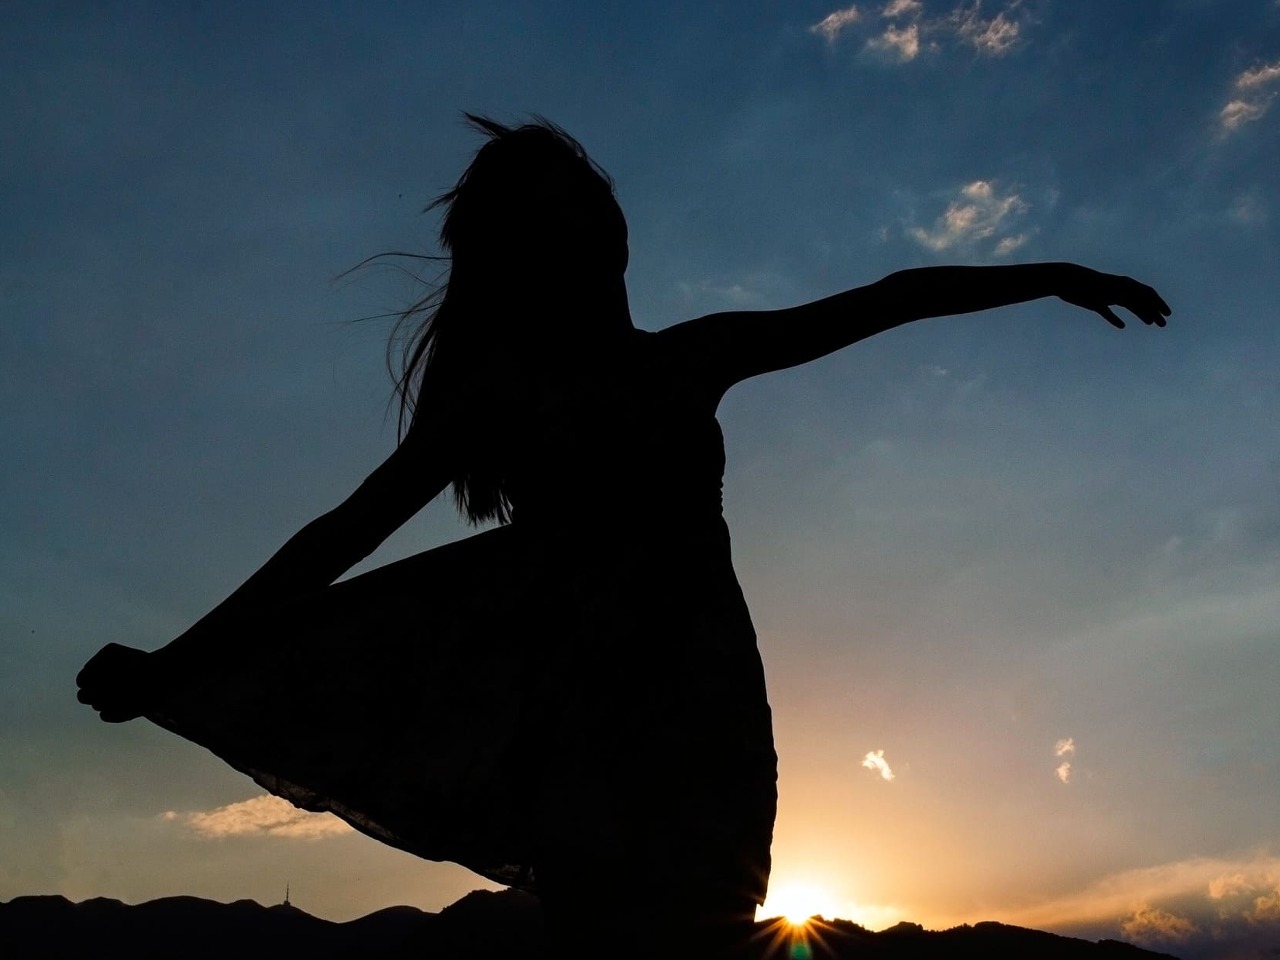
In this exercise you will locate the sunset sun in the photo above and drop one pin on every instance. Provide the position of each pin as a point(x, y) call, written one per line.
point(797, 901)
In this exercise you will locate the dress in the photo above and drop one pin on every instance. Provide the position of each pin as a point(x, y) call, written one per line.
point(579, 686)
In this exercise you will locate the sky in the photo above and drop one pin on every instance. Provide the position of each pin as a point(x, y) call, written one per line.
point(1014, 574)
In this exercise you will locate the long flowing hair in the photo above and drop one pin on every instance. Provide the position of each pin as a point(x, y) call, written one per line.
point(530, 202)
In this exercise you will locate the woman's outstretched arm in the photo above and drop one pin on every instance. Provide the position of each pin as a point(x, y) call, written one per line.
point(115, 682)
point(734, 346)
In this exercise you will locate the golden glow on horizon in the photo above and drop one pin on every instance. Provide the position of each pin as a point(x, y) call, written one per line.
point(797, 901)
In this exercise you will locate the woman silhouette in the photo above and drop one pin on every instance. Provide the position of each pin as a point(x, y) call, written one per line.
point(572, 702)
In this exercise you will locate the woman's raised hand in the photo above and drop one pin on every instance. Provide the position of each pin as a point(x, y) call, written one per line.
point(117, 682)
point(1099, 292)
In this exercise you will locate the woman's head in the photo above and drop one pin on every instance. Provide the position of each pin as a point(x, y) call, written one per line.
point(537, 247)
point(531, 201)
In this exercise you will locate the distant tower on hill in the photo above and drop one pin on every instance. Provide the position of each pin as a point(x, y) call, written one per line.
point(286, 895)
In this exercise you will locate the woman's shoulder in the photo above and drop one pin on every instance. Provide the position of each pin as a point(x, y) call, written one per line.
point(680, 356)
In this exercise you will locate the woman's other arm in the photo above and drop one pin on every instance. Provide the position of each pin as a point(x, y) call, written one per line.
point(731, 347)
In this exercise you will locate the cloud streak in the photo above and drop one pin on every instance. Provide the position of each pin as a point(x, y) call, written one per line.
point(1255, 89)
point(1193, 903)
point(902, 8)
point(833, 23)
point(264, 816)
point(912, 32)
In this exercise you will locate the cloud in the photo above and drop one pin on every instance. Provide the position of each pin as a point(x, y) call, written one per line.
point(1149, 925)
point(1239, 112)
point(875, 761)
point(900, 8)
point(1259, 76)
point(993, 37)
point(904, 42)
point(913, 32)
point(1066, 747)
point(260, 816)
point(981, 212)
point(1229, 885)
point(1248, 208)
point(1266, 908)
point(1208, 892)
point(833, 23)
point(1009, 244)
point(1253, 97)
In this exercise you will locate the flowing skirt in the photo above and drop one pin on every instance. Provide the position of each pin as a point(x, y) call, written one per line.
point(518, 709)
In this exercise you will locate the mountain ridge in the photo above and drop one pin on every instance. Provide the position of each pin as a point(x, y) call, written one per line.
point(486, 925)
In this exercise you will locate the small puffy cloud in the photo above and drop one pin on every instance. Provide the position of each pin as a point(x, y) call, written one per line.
point(902, 8)
point(266, 815)
point(1229, 885)
point(1239, 112)
point(1266, 908)
point(1066, 747)
point(1151, 925)
point(993, 36)
point(833, 23)
point(1255, 89)
point(981, 212)
point(875, 762)
point(903, 42)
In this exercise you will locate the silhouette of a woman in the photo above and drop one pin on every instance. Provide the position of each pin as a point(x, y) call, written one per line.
point(572, 702)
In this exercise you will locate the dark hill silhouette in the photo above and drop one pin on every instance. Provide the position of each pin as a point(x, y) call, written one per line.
point(480, 926)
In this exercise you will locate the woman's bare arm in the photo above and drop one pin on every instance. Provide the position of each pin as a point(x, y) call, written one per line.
point(334, 542)
point(117, 680)
point(730, 347)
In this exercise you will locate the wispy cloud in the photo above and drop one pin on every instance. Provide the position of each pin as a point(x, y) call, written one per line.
point(902, 8)
point(1259, 76)
point(992, 36)
point(981, 212)
point(1255, 89)
point(1239, 112)
point(833, 23)
point(1007, 245)
point(903, 42)
point(260, 816)
point(914, 31)
point(875, 762)
point(1066, 747)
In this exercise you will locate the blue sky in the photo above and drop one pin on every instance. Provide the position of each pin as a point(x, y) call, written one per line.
point(965, 543)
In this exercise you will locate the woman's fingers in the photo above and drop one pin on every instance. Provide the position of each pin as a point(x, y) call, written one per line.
point(1110, 316)
point(1139, 299)
point(114, 682)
